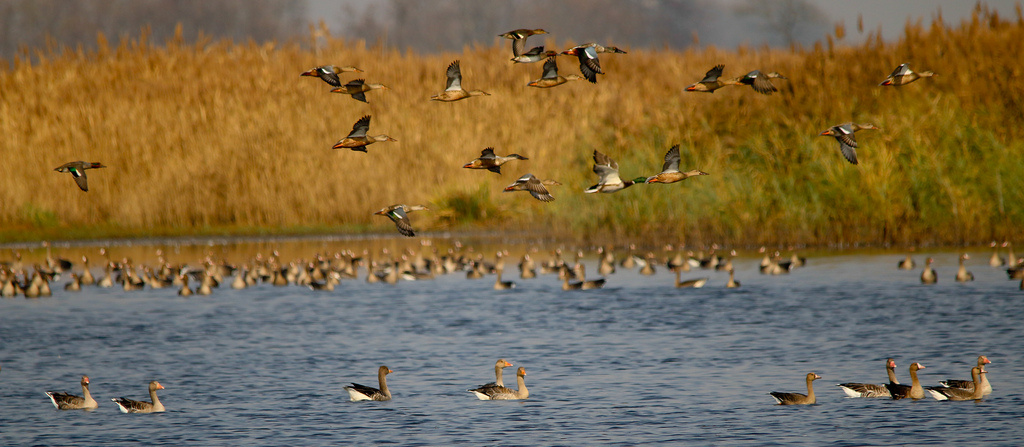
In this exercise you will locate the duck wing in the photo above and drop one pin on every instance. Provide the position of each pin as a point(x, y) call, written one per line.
point(64, 401)
point(864, 390)
point(590, 66)
point(902, 70)
point(518, 44)
point(328, 75)
point(132, 406)
point(713, 74)
point(847, 142)
point(488, 154)
point(760, 82)
point(671, 160)
point(362, 392)
point(550, 69)
point(80, 178)
point(360, 128)
point(401, 220)
point(537, 189)
point(454, 74)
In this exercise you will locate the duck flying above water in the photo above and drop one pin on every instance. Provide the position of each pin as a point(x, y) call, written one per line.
point(357, 140)
point(607, 171)
point(534, 186)
point(550, 78)
point(329, 73)
point(77, 170)
point(399, 215)
point(844, 134)
point(491, 162)
point(670, 170)
point(453, 88)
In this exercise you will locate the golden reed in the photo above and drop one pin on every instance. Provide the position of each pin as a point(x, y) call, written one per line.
point(222, 137)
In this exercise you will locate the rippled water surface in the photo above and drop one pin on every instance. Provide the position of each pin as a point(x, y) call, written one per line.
point(639, 362)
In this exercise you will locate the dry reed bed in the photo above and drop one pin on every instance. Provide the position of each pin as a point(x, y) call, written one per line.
point(215, 134)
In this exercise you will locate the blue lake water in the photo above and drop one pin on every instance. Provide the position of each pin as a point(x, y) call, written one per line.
point(638, 362)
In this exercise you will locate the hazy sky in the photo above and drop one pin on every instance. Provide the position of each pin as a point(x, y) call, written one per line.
point(891, 15)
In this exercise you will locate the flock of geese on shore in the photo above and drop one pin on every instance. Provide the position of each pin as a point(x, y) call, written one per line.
point(606, 168)
point(324, 272)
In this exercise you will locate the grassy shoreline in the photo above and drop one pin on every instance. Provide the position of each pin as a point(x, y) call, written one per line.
point(194, 148)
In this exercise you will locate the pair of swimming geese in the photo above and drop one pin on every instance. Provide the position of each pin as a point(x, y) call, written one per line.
point(954, 389)
point(492, 391)
point(66, 401)
point(929, 276)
